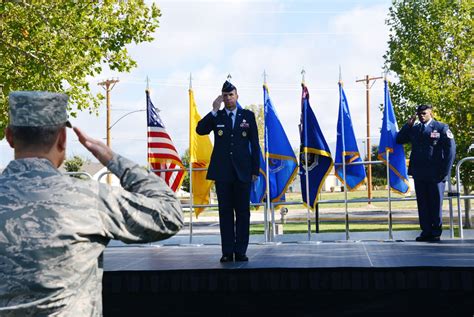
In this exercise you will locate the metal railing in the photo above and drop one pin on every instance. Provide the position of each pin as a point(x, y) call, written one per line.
point(270, 233)
point(458, 194)
point(78, 174)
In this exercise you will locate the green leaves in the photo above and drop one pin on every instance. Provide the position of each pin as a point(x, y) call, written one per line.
point(56, 45)
point(431, 49)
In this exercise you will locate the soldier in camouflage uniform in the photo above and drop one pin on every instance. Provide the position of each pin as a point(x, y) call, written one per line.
point(53, 228)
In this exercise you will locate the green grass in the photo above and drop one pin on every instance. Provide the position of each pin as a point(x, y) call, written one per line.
point(359, 194)
point(326, 227)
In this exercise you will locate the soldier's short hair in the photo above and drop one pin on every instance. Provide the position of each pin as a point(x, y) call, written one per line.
point(35, 138)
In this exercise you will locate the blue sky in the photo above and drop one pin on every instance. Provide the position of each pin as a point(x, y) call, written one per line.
point(212, 39)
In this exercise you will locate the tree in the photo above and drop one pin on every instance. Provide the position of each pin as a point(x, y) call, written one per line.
point(260, 119)
point(57, 45)
point(185, 159)
point(74, 164)
point(431, 49)
point(379, 171)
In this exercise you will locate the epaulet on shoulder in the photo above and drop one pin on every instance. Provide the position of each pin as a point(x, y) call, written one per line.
point(443, 125)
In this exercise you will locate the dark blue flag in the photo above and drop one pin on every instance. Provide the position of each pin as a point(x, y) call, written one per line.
point(281, 159)
point(388, 134)
point(259, 187)
point(315, 157)
point(347, 147)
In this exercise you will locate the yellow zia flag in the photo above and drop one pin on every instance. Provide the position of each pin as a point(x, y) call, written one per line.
point(200, 149)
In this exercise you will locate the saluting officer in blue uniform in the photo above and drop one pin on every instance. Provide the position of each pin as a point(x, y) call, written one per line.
point(432, 155)
point(234, 165)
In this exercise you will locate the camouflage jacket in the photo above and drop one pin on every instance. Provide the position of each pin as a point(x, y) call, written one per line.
point(53, 229)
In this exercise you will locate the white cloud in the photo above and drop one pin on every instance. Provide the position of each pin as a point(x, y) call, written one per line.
point(244, 38)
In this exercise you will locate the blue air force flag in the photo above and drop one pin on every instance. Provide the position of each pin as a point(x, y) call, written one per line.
point(346, 147)
point(315, 156)
point(388, 134)
point(282, 164)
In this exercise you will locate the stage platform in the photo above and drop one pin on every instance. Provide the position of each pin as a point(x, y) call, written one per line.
point(364, 278)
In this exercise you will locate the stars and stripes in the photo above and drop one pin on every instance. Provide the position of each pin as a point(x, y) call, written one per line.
point(161, 152)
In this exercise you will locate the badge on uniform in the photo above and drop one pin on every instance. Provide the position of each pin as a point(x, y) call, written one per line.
point(244, 124)
point(449, 134)
point(244, 134)
point(435, 134)
point(220, 133)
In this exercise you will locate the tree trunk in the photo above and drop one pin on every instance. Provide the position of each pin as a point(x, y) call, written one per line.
point(467, 208)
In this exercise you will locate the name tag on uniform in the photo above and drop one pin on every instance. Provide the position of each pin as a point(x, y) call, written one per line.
point(221, 126)
point(435, 135)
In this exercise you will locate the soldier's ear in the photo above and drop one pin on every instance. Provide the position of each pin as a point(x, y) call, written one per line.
point(9, 137)
point(62, 138)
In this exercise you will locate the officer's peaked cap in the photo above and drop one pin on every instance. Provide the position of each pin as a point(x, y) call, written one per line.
point(423, 107)
point(228, 87)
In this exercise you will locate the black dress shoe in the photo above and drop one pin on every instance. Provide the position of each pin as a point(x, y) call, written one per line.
point(227, 258)
point(428, 238)
point(423, 238)
point(241, 258)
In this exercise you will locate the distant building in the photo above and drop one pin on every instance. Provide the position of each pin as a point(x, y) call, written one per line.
point(97, 172)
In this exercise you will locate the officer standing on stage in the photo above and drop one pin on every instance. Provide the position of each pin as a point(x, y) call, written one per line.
point(234, 165)
point(432, 156)
point(53, 228)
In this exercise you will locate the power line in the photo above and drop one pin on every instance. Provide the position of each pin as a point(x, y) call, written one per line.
point(274, 86)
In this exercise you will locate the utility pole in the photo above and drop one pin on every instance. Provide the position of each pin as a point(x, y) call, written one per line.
point(367, 81)
point(108, 85)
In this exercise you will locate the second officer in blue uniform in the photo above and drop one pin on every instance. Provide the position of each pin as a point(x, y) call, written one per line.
point(234, 165)
point(432, 155)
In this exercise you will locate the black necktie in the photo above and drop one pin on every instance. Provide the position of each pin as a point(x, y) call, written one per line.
point(231, 115)
point(422, 128)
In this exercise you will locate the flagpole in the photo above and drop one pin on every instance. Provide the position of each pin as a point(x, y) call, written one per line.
point(308, 214)
point(387, 155)
point(390, 233)
point(267, 167)
point(191, 197)
point(268, 205)
point(147, 92)
point(343, 159)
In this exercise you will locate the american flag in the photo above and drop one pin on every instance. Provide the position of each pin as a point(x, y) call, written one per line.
point(161, 152)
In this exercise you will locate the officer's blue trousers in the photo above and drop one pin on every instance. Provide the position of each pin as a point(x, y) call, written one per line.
point(234, 196)
point(429, 198)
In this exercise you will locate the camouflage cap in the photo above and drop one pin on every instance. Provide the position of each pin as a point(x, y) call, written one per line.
point(38, 108)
